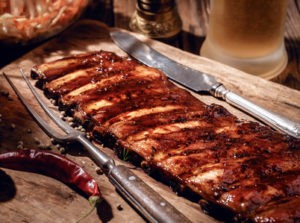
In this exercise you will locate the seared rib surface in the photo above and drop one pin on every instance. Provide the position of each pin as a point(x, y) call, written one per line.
point(242, 166)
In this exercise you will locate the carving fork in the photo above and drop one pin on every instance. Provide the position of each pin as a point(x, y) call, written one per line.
point(152, 206)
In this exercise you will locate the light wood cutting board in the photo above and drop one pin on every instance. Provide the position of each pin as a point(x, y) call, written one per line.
point(28, 197)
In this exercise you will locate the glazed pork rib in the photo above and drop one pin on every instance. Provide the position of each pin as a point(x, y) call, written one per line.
point(242, 166)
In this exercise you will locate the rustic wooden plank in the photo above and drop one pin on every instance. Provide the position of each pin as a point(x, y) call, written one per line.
point(43, 207)
point(53, 201)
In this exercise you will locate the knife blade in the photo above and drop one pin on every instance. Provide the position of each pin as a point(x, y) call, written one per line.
point(199, 81)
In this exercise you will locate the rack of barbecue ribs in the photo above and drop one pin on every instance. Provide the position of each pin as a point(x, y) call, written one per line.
point(243, 167)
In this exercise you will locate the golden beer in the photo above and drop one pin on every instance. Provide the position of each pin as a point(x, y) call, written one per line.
point(247, 33)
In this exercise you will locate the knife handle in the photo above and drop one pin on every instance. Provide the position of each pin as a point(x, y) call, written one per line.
point(154, 207)
point(273, 119)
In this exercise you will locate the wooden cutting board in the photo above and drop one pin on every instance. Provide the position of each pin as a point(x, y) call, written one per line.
point(28, 197)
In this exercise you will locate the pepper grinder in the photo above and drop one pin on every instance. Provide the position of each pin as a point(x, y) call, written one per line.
point(157, 19)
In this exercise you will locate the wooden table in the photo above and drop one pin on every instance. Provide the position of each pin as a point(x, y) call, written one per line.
point(27, 197)
point(194, 15)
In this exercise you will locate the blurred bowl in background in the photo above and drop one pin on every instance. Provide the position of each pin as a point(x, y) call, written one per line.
point(24, 22)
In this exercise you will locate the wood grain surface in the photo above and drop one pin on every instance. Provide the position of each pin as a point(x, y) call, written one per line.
point(28, 197)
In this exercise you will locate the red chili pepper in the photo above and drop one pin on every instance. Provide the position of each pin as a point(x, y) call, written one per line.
point(56, 166)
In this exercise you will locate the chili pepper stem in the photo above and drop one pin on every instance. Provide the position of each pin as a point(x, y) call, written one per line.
point(94, 200)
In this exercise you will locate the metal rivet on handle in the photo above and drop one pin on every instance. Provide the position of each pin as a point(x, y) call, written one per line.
point(162, 204)
point(132, 178)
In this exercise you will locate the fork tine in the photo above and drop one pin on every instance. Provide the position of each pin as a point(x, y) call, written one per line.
point(54, 117)
point(47, 128)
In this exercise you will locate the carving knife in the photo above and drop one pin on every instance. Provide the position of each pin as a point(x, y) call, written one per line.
point(199, 82)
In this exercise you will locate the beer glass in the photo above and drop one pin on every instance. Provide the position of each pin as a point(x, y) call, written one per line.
point(248, 35)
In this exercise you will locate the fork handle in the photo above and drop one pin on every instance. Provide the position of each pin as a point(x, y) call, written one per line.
point(154, 207)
